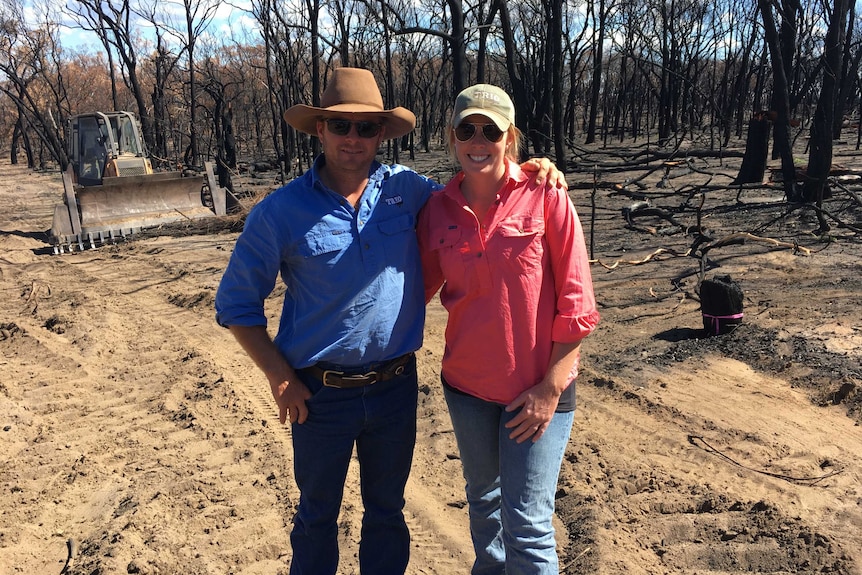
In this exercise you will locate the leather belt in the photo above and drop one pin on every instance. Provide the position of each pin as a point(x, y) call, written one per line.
point(347, 380)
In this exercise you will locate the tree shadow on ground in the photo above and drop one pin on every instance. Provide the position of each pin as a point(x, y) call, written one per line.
point(680, 334)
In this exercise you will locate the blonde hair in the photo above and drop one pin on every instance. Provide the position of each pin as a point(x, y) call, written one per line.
point(515, 136)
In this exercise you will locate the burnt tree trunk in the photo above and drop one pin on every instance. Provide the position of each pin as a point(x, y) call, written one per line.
point(781, 102)
point(816, 188)
point(756, 151)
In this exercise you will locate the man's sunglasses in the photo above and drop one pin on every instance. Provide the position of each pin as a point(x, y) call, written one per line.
point(365, 129)
point(465, 132)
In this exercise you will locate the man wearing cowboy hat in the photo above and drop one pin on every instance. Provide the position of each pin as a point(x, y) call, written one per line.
point(342, 366)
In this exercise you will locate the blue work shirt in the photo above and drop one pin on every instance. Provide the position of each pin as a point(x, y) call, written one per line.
point(353, 278)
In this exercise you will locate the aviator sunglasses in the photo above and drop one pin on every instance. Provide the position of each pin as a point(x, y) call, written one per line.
point(465, 132)
point(365, 129)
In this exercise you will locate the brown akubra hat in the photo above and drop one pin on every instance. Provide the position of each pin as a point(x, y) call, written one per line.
point(351, 91)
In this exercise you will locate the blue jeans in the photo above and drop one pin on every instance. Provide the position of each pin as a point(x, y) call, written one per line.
point(380, 419)
point(510, 487)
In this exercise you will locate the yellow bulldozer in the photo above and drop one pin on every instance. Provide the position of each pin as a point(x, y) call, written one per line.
point(110, 189)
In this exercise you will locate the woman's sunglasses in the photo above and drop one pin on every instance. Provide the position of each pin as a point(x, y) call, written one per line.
point(365, 129)
point(465, 132)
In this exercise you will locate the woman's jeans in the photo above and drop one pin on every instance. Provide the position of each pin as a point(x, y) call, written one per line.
point(380, 419)
point(510, 486)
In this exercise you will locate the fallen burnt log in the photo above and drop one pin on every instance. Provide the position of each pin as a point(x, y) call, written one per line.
point(700, 249)
point(644, 209)
point(701, 246)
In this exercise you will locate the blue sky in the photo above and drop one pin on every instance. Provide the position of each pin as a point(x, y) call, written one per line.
point(231, 23)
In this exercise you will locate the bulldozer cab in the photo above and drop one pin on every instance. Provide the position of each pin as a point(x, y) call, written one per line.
point(106, 144)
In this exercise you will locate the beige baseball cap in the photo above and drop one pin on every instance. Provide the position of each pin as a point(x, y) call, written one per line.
point(487, 100)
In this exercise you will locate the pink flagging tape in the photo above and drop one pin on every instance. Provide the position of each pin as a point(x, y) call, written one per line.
point(715, 319)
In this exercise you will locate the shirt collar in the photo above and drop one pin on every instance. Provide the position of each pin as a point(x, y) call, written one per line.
point(514, 175)
point(377, 171)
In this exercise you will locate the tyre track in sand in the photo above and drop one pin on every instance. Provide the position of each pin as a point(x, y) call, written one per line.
point(692, 423)
point(169, 285)
point(101, 389)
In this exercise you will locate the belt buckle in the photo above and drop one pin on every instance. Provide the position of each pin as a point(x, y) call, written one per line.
point(348, 378)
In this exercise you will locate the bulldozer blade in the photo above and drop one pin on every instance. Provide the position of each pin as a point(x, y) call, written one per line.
point(125, 205)
point(219, 194)
point(66, 227)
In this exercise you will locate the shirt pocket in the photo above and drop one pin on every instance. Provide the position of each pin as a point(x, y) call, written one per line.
point(324, 268)
point(520, 243)
point(324, 243)
point(447, 240)
point(453, 252)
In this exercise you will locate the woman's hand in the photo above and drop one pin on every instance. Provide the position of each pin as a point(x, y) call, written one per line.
point(537, 406)
point(539, 403)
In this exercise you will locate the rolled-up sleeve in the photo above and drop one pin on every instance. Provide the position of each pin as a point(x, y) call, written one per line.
point(250, 275)
point(576, 314)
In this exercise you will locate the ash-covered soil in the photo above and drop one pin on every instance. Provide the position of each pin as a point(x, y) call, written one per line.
point(135, 428)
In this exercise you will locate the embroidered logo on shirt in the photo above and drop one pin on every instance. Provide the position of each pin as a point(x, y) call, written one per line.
point(396, 201)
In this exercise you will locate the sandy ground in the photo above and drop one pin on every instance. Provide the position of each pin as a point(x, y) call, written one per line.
point(135, 430)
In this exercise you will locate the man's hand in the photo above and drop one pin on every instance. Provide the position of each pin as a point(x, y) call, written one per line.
point(288, 391)
point(545, 169)
point(290, 397)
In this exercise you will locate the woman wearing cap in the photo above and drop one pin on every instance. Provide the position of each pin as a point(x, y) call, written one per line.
point(510, 257)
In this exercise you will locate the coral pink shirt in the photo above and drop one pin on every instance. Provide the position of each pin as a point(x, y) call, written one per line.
point(511, 289)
